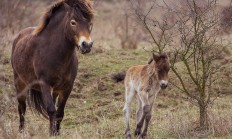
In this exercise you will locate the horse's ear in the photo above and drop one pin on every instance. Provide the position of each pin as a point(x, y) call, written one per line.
point(67, 7)
point(155, 57)
point(150, 60)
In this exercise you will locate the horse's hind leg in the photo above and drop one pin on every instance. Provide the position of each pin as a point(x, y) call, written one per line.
point(54, 96)
point(22, 111)
point(129, 94)
point(21, 96)
point(139, 110)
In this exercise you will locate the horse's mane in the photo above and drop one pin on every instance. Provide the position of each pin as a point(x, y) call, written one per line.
point(83, 6)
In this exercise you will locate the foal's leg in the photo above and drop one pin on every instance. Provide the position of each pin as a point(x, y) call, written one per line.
point(145, 110)
point(129, 94)
point(139, 108)
point(49, 105)
point(63, 97)
point(148, 116)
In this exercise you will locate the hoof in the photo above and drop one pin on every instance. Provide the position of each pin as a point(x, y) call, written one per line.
point(137, 132)
point(128, 136)
point(54, 133)
point(21, 129)
point(142, 136)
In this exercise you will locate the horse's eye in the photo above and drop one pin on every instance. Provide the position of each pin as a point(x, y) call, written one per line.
point(73, 23)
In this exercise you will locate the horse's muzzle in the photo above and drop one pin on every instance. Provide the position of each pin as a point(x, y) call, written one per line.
point(86, 47)
point(163, 84)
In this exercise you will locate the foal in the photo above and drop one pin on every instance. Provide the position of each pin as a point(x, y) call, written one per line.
point(144, 81)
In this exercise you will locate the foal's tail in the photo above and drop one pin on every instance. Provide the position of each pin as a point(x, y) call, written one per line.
point(35, 101)
point(118, 77)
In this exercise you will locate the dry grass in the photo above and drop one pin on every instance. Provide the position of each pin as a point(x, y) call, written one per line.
point(94, 111)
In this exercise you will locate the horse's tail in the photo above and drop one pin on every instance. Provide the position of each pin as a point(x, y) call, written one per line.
point(35, 101)
point(118, 77)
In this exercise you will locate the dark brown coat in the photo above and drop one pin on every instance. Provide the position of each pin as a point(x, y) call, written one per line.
point(44, 59)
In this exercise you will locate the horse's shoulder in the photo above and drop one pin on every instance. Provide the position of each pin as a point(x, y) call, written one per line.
point(27, 31)
point(24, 33)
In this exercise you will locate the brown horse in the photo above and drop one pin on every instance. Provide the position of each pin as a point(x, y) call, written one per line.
point(144, 82)
point(44, 59)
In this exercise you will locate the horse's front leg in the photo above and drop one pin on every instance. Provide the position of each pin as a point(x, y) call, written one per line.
point(63, 97)
point(49, 106)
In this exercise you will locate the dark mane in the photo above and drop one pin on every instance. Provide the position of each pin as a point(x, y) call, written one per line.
point(82, 8)
point(46, 17)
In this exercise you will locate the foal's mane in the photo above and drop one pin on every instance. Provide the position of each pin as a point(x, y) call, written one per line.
point(83, 6)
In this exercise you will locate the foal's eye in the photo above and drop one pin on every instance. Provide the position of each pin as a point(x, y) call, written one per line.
point(73, 22)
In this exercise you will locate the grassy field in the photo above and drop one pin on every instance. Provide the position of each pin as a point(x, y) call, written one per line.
point(94, 109)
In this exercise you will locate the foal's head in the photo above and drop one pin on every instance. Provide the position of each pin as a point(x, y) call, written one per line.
point(78, 24)
point(161, 63)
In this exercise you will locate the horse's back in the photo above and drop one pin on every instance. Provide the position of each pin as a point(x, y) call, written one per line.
point(136, 70)
point(27, 32)
point(136, 73)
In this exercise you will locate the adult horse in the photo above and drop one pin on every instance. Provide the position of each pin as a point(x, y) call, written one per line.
point(44, 59)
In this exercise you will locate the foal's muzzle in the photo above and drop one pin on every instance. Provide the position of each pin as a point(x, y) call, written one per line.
point(163, 84)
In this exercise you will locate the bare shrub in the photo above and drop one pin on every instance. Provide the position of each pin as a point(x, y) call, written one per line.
point(126, 31)
point(192, 39)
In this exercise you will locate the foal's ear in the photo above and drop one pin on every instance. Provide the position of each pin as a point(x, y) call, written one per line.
point(155, 57)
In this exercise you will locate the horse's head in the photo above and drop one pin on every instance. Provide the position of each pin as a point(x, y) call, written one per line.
point(162, 66)
point(79, 23)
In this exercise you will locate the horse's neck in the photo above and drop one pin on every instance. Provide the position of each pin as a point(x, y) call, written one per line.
point(55, 31)
point(152, 73)
point(151, 70)
point(55, 34)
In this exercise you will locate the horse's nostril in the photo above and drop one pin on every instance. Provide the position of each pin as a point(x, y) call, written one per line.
point(87, 45)
point(84, 44)
point(91, 45)
point(163, 86)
